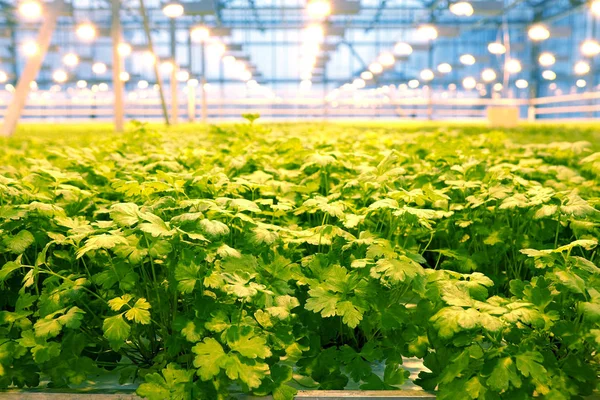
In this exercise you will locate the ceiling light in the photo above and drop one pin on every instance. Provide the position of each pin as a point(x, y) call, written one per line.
point(469, 83)
point(427, 75)
point(318, 8)
point(313, 33)
point(173, 9)
point(99, 68)
point(386, 59)
point(467, 59)
point(166, 67)
point(496, 48)
point(498, 87)
point(488, 75)
point(81, 84)
point(246, 75)
point(582, 68)
point(538, 32)
point(581, 83)
point(366, 75)
point(376, 68)
point(513, 66)
point(86, 32)
point(217, 48)
point(444, 68)
point(522, 84)
point(427, 32)
point(590, 48)
point(595, 7)
point(143, 84)
point(60, 76)
point(124, 49)
point(70, 60)
point(3, 77)
point(182, 75)
point(549, 75)
point(30, 9)
point(413, 84)
point(547, 59)
point(305, 84)
point(228, 60)
point(148, 58)
point(124, 76)
point(403, 49)
point(199, 34)
point(30, 48)
point(359, 83)
point(461, 9)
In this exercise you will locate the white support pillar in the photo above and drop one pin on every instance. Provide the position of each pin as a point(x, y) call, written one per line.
point(118, 87)
point(159, 81)
point(204, 102)
point(191, 103)
point(31, 70)
point(174, 95)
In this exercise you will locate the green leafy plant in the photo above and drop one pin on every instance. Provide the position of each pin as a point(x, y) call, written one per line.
point(266, 259)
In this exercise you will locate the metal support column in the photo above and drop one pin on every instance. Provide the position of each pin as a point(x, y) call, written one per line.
point(119, 105)
point(174, 97)
point(157, 61)
point(31, 70)
point(191, 103)
point(203, 83)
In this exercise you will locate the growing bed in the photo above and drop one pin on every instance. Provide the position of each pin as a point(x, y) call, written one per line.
point(261, 259)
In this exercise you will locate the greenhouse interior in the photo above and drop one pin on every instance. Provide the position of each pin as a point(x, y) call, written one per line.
point(299, 199)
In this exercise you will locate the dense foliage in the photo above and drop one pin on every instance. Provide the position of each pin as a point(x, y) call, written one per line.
point(272, 258)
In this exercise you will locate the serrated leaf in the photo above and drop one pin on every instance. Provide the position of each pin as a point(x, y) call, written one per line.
point(214, 228)
point(250, 372)
point(118, 302)
point(116, 328)
point(139, 312)
point(125, 214)
point(187, 276)
point(251, 346)
point(210, 358)
point(20, 242)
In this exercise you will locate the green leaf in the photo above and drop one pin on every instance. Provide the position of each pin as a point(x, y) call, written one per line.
point(47, 327)
point(118, 302)
point(249, 372)
point(187, 276)
point(397, 270)
point(504, 374)
point(174, 385)
point(125, 214)
point(529, 364)
point(210, 358)
point(351, 315)
point(284, 306)
point(115, 328)
point(104, 241)
point(72, 318)
point(20, 242)
point(7, 269)
point(475, 389)
point(251, 346)
point(155, 226)
point(139, 312)
point(322, 301)
point(573, 282)
point(191, 332)
point(214, 228)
